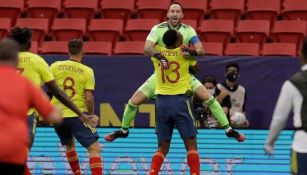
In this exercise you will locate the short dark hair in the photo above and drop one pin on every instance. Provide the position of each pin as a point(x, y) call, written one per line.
point(304, 49)
point(170, 37)
point(21, 35)
point(75, 46)
point(177, 3)
point(209, 79)
point(8, 50)
point(233, 64)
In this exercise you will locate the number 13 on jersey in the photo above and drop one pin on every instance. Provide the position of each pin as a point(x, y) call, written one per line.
point(174, 68)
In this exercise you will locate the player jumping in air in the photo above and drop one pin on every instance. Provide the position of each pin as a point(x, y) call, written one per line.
point(147, 90)
point(77, 81)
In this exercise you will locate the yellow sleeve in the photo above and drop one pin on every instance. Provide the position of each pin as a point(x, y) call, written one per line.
point(193, 61)
point(90, 80)
point(44, 70)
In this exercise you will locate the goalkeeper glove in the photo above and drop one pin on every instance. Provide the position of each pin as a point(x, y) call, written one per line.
point(163, 60)
point(185, 51)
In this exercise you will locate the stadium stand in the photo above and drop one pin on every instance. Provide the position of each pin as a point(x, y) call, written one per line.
point(190, 22)
point(4, 27)
point(44, 9)
point(129, 48)
point(54, 47)
point(39, 27)
point(119, 9)
point(295, 10)
point(11, 9)
point(242, 49)
point(138, 29)
point(213, 49)
point(66, 29)
point(216, 30)
point(263, 9)
point(227, 9)
point(34, 47)
point(279, 49)
point(194, 9)
point(106, 30)
point(152, 9)
point(97, 47)
point(81, 9)
point(253, 31)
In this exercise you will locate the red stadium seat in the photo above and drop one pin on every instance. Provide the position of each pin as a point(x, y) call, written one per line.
point(4, 27)
point(213, 49)
point(34, 47)
point(253, 31)
point(227, 9)
point(11, 9)
point(194, 9)
point(97, 47)
point(44, 9)
point(263, 9)
point(216, 30)
point(67, 29)
point(138, 29)
point(129, 48)
point(295, 10)
point(242, 49)
point(279, 49)
point(153, 9)
point(80, 8)
point(39, 27)
point(54, 47)
point(106, 30)
point(119, 9)
point(190, 22)
point(289, 32)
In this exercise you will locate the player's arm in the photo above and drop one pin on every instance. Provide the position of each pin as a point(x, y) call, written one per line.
point(41, 103)
point(89, 101)
point(280, 115)
point(195, 69)
point(195, 41)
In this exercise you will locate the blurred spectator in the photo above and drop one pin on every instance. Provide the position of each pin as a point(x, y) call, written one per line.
point(237, 92)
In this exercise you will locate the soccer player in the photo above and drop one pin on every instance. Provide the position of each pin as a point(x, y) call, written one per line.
point(173, 102)
point(77, 81)
point(147, 90)
point(292, 97)
point(17, 95)
point(34, 67)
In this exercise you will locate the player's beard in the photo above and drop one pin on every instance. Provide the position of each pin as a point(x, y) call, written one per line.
point(174, 22)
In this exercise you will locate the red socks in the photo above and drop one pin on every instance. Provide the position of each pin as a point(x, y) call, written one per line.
point(194, 162)
point(27, 171)
point(73, 160)
point(156, 163)
point(96, 165)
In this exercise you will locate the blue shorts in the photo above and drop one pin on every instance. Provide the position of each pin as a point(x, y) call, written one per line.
point(174, 111)
point(32, 123)
point(74, 127)
point(298, 163)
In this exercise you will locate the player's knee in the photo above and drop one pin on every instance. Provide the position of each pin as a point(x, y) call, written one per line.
point(94, 149)
point(138, 98)
point(203, 93)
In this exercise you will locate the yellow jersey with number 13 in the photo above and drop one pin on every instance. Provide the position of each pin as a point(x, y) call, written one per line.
point(175, 80)
point(34, 68)
point(74, 78)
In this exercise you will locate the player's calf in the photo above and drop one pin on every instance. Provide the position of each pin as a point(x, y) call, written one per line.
point(95, 159)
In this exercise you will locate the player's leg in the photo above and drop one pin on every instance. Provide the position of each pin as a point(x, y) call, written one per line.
point(88, 138)
point(298, 163)
point(65, 134)
point(32, 123)
point(187, 130)
point(146, 91)
point(164, 131)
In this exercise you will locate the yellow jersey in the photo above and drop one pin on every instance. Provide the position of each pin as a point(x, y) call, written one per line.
point(74, 78)
point(35, 68)
point(175, 80)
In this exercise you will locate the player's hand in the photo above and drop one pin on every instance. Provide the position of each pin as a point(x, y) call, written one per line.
point(269, 149)
point(94, 120)
point(164, 62)
point(236, 135)
point(185, 51)
point(88, 120)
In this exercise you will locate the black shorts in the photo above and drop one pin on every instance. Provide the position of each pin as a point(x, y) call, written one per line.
point(11, 169)
point(74, 127)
